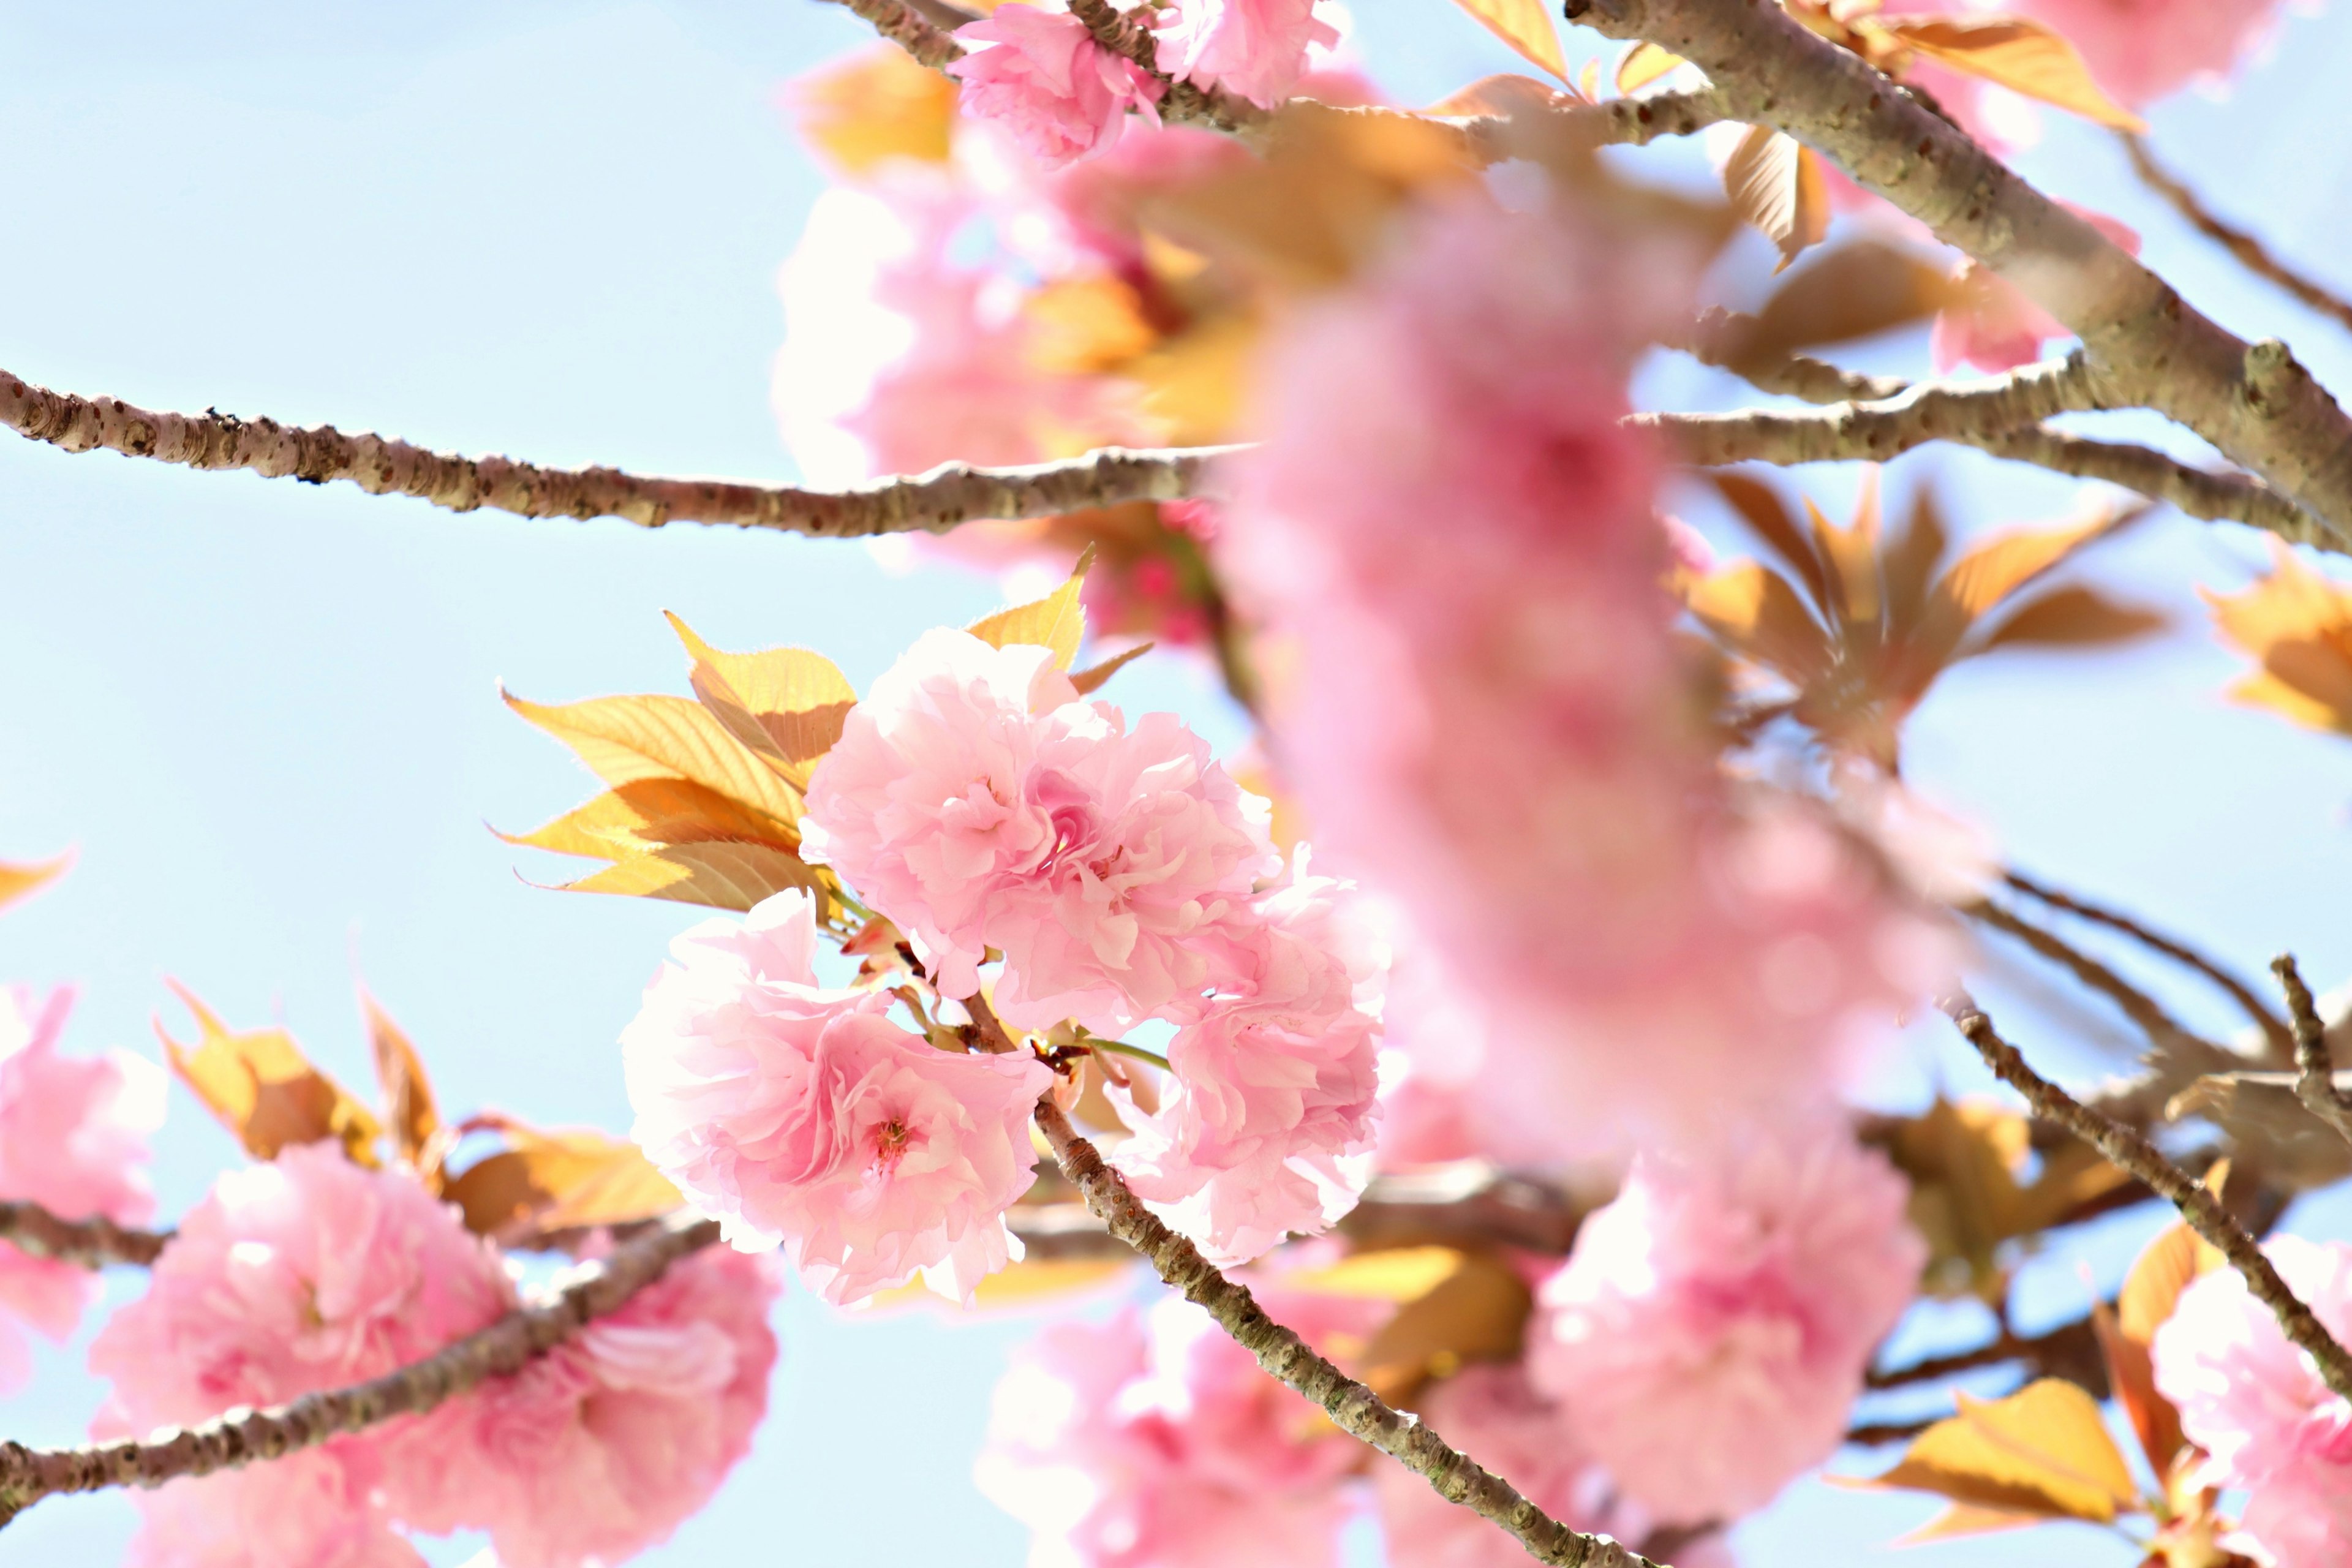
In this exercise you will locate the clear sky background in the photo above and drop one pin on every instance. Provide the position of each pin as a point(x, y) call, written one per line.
point(266, 713)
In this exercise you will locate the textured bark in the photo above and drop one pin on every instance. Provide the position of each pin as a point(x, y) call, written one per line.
point(2131, 1152)
point(1181, 102)
point(244, 1437)
point(2315, 1064)
point(947, 495)
point(1352, 1407)
point(2253, 402)
point(92, 1243)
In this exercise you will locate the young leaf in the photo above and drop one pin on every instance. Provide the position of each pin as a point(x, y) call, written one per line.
point(786, 704)
point(1755, 613)
point(546, 1182)
point(22, 879)
point(408, 1109)
point(2072, 616)
point(1057, 621)
point(1452, 1307)
point(2042, 1451)
point(1856, 290)
point(1090, 680)
point(720, 874)
point(2131, 1373)
point(647, 814)
point(1526, 26)
point(264, 1090)
point(1761, 508)
point(1641, 64)
point(874, 107)
point(625, 739)
point(2020, 54)
point(1776, 182)
point(2299, 625)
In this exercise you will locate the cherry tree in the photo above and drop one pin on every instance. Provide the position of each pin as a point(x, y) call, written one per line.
point(1478, 1058)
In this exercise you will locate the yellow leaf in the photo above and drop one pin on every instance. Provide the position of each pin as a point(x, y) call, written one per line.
point(21, 880)
point(1965, 1518)
point(785, 704)
point(1526, 26)
point(1087, 325)
point(1453, 1307)
point(720, 874)
point(1091, 679)
point(408, 1109)
point(264, 1090)
point(2165, 1267)
point(1191, 386)
point(2298, 624)
point(1757, 615)
point(1393, 1274)
point(647, 814)
point(625, 739)
point(1587, 80)
point(1776, 182)
point(1016, 1286)
point(2042, 1451)
point(875, 106)
point(1057, 621)
point(2007, 560)
point(2022, 54)
point(1641, 64)
point(570, 1179)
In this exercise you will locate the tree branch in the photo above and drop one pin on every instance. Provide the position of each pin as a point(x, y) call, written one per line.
point(933, 502)
point(91, 1243)
point(243, 1437)
point(2315, 1082)
point(2133, 1153)
point(1721, 338)
point(2161, 1027)
point(2255, 403)
point(1352, 1407)
point(2251, 253)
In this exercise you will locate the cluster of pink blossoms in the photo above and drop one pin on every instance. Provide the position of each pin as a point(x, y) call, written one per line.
point(311, 1273)
point(73, 1136)
point(2141, 50)
point(2258, 1406)
point(1489, 714)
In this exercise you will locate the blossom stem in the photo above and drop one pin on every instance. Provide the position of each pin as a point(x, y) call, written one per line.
point(2132, 1151)
point(933, 502)
point(92, 1243)
point(1352, 1407)
point(2254, 402)
point(2315, 1083)
point(1120, 1048)
point(245, 1436)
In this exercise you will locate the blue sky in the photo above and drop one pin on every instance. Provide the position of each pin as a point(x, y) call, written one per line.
point(266, 713)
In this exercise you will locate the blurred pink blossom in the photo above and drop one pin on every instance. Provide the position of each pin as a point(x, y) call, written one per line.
point(1154, 1441)
point(1711, 1327)
point(2141, 50)
point(306, 1273)
point(1492, 722)
point(1041, 75)
point(73, 1136)
point(977, 803)
point(601, 1447)
point(1993, 326)
point(801, 1115)
point(1253, 47)
point(2258, 1406)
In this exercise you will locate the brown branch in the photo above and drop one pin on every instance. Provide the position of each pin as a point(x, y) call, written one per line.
point(935, 501)
point(904, 26)
point(2272, 1026)
point(1721, 338)
point(2315, 1082)
point(2161, 1027)
point(91, 1243)
point(1352, 1407)
point(1878, 1434)
point(2253, 402)
point(2130, 1151)
point(2251, 253)
point(244, 1437)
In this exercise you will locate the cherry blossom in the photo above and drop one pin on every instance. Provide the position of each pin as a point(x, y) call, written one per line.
point(1042, 76)
point(73, 1138)
point(1710, 1328)
point(801, 1115)
point(2141, 50)
point(1253, 47)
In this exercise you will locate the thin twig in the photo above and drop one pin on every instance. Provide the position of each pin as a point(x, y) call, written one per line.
point(2251, 253)
point(2272, 1026)
point(243, 1437)
point(2160, 1026)
point(92, 1243)
point(946, 496)
point(2315, 1082)
point(1878, 1434)
point(1722, 338)
point(2131, 1152)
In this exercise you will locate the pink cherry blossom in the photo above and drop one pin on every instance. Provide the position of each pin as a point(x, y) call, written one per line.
point(1042, 76)
point(2141, 50)
point(1157, 1442)
point(2257, 1404)
point(1711, 1327)
point(601, 1447)
point(73, 1136)
point(1494, 722)
point(973, 800)
point(801, 1115)
point(1253, 47)
point(1275, 1090)
point(306, 1273)
point(1993, 325)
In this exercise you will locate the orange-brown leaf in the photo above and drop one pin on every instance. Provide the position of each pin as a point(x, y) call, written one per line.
point(1776, 182)
point(1966, 1519)
point(2072, 616)
point(2298, 624)
point(264, 1090)
point(625, 739)
point(2042, 1451)
point(720, 874)
point(2164, 1268)
point(1856, 290)
point(408, 1109)
point(1755, 613)
point(1526, 26)
point(23, 878)
point(650, 814)
point(787, 705)
point(1090, 679)
point(2022, 54)
point(874, 107)
point(1760, 506)
point(565, 1180)
point(2131, 1373)
point(1087, 325)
